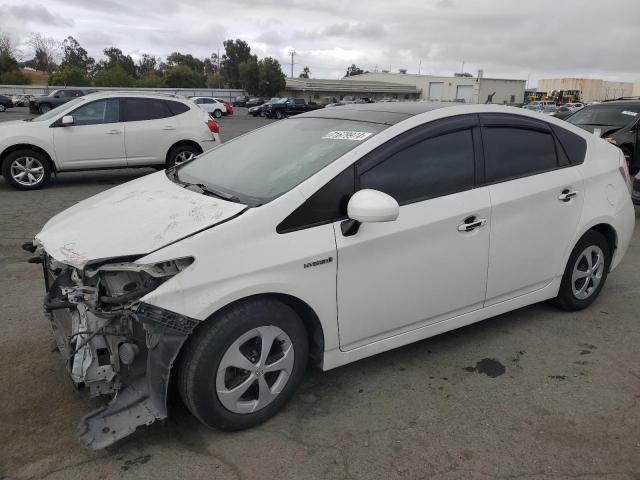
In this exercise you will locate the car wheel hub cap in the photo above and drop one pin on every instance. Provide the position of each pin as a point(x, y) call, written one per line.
point(27, 171)
point(255, 369)
point(183, 157)
point(587, 272)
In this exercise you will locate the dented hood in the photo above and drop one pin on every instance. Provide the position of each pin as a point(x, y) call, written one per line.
point(135, 218)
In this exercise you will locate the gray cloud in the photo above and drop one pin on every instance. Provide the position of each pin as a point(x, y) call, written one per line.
point(575, 38)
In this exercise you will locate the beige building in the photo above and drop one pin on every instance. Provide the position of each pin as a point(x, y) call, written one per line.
point(636, 89)
point(591, 89)
point(451, 89)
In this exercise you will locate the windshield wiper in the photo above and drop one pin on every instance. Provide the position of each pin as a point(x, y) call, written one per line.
point(212, 193)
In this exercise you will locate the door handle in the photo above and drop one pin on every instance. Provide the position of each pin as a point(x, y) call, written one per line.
point(114, 132)
point(567, 195)
point(169, 127)
point(471, 223)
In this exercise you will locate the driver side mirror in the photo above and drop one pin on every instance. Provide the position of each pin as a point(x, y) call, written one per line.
point(369, 206)
point(67, 121)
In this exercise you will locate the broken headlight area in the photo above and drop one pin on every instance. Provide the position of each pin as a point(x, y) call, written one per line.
point(114, 344)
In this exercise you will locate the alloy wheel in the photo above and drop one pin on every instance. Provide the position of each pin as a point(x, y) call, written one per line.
point(587, 272)
point(27, 171)
point(184, 156)
point(2, 108)
point(255, 369)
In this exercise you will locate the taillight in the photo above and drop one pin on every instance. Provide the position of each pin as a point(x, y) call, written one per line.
point(213, 126)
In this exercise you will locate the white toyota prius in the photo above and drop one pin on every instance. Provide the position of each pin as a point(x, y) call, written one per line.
point(323, 239)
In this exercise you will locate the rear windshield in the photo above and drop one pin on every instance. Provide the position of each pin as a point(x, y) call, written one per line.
point(605, 115)
point(264, 164)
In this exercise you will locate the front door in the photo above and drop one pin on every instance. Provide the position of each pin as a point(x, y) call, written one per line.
point(431, 263)
point(96, 138)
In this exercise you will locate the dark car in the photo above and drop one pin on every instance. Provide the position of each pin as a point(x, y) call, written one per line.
point(56, 98)
point(240, 101)
point(259, 111)
point(563, 113)
point(5, 102)
point(619, 123)
point(254, 102)
point(635, 193)
point(286, 107)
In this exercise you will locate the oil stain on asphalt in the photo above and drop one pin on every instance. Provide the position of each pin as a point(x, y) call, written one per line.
point(489, 366)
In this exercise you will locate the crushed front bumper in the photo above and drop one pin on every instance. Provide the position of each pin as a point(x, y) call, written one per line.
point(125, 352)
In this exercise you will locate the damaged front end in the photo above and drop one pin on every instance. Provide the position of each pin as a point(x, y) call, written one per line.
point(113, 343)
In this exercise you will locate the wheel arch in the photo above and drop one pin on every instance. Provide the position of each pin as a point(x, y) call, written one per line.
point(28, 146)
point(191, 143)
point(601, 226)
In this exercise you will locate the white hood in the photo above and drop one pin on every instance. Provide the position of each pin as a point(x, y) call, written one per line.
point(135, 218)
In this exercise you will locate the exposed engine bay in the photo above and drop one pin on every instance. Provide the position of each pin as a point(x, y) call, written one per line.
point(112, 343)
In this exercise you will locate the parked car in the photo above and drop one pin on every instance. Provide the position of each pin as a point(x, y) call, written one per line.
point(210, 105)
point(635, 193)
point(44, 103)
point(259, 110)
point(619, 124)
point(549, 109)
point(286, 107)
point(240, 101)
point(227, 105)
point(104, 130)
point(574, 106)
point(21, 100)
point(254, 102)
point(5, 102)
point(563, 112)
point(222, 274)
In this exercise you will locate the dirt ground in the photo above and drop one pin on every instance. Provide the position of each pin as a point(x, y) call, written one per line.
point(532, 394)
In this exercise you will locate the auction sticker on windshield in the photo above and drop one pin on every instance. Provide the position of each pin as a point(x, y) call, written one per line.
point(346, 135)
point(627, 112)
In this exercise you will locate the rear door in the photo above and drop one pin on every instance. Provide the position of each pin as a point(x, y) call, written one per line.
point(536, 203)
point(95, 140)
point(150, 130)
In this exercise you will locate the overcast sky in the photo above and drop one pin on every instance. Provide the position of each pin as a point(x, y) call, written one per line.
point(506, 38)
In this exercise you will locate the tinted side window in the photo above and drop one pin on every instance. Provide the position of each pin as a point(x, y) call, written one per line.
point(176, 107)
point(574, 146)
point(516, 152)
point(327, 205)
point(146, 109)
point(100, 111)
point(431, 168)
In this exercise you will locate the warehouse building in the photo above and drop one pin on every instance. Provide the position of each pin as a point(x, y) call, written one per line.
point(591, 89)
point(326, 91)
point(466, 89)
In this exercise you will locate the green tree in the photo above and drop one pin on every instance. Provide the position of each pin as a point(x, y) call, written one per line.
point(115, 58)
point(271, 79)
point(146, 64)
point(74, 76)
point(114, 76)
point(249, 75)
point(74, 56)
point(46, 52)
point(236, 52)
point(306, 73)
point(182, 76)
point(353, 70)
point(151, 79)
point(214, 80)
point(15, 77)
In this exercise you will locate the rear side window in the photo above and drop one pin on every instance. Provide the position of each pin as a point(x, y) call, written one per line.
point(431, 168)
point(512, 152)
point(573, 146)
point(139, 109)
point(176, 107)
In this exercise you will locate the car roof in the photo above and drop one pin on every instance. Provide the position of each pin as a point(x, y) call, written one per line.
point(622, 103)
point(128, 93)
point(388, 113)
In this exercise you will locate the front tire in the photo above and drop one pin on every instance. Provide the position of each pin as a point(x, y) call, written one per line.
point(2, 108)
point(44, 108)
point(586, 272)
point(279, 115)
point(242, 366)
point(26, 170)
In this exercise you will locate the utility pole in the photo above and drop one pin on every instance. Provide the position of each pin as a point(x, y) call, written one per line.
point(293, 53)
point(219, 72)
point(419, 66)
point(462, 71)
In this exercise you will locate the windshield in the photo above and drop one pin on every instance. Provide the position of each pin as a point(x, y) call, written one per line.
point(56, 111)
point(264, 164)
point(607, 115)
point(281, 100)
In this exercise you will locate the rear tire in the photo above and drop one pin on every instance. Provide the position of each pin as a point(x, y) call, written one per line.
point(242, 366)
point(279, 115)
point(26, 170)
point(181, 154)
point(44, 108)
point(586, 272)
point(2, 108)
point(217, 114)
